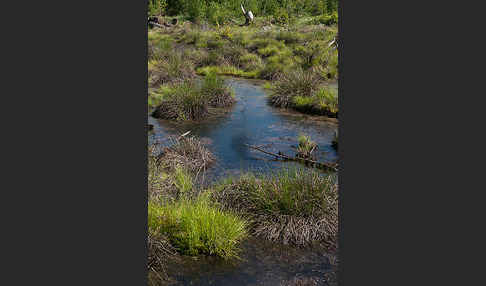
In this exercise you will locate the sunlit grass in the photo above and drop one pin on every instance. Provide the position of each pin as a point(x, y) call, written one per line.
point(197, 227)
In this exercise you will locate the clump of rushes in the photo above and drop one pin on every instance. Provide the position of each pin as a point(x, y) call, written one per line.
point(217, 92)
point(328, 101)
point(295, 206)
point(197, 227)
point(249, 61)
point(294, 83)
point(188, 153)
point(324, 102)
point(169, 69)
point(184, 102)
point(306, 146)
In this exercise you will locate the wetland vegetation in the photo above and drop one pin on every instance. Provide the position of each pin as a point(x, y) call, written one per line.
point(288, 45)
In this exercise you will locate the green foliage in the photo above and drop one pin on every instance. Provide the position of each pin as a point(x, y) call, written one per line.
point(217, 92)
point(281, 16)
point(220, 12)
point(227, 70)
point(197, 227)
point(251, 61)
point(182, 180)
point(328, 99)
point(217, 14)
point(195, 9)
point(157, 7)
point(328, 19)
point(294, 191)
point(306, 145)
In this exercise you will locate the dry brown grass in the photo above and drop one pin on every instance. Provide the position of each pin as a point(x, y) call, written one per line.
point(170, 68)
point(159, 252)
point(187, 152)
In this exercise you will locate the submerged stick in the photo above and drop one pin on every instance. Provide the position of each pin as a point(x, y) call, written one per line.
point(280, 155)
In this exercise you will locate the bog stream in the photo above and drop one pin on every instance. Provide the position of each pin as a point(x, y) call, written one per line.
point(251, 120)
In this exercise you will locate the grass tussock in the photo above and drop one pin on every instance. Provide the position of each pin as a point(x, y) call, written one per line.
point(295, 206)
point(298, 83)
point(187, 152)
point(190, 100)
point(306, 146)
point(169, 69)
point(197, 227)
point(184, 101)
point(217, 92)
point(181, 218)
point(304, 91)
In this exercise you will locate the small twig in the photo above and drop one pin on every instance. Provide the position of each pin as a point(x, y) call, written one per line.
point(325, 165)
point(183, 135)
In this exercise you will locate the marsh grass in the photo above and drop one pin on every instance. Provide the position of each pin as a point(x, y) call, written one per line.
point(197, 227)
point(218, 93)
point(294, 206)
point(188, 153)
point(305, 147)
point(227, 70)
point(297, 83)
point(328, 100)
point(169, 69)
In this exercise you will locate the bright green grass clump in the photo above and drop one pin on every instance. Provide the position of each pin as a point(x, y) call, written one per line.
point(197, 227)
point(328, 99)
point(184, 101)
point(306, 145)
point(226, 70)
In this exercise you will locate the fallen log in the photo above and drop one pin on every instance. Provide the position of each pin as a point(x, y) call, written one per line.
point(333, 167)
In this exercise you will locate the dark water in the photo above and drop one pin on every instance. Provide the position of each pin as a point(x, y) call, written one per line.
point(252, 121)
point(262, 263)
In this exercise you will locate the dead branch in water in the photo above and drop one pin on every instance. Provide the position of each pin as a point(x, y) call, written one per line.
point(333, 167)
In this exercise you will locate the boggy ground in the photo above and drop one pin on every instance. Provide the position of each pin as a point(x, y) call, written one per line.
point(296, 60)
point(294, 207)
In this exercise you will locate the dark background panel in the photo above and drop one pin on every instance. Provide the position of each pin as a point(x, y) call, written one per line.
point(76, 82)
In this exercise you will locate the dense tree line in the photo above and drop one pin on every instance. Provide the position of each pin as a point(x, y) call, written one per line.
point(222, 10)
